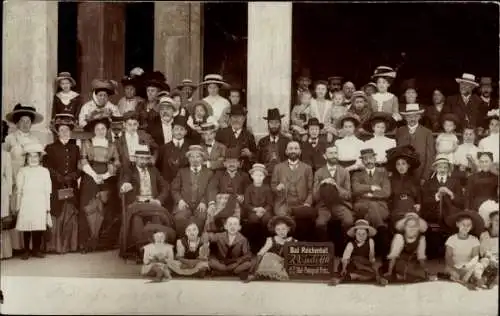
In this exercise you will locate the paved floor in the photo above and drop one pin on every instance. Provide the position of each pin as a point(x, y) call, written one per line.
point(100, 283)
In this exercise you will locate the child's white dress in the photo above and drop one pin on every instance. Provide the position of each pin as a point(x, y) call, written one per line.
point(35, 187)
point(446, 144)
point(157, 255)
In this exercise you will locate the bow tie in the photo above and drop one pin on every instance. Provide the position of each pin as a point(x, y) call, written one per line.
point(208, 145)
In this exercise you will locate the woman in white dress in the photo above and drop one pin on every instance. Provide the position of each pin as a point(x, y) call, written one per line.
point(33, 200)
point(214, 83)
point(23, 117)
point(320, 106)
point(7, 183)
point(383, 100)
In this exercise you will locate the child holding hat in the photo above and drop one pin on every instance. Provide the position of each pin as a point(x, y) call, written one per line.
point(407, 260)
point(358, 260)
point(157, 255)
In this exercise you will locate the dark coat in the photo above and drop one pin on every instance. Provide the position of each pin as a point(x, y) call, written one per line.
point(154, 128)
point(222, 183)
point(342, 179)
point(431, 210)
point(62, 162)
point(432, 119)
point(481, 186)
point(405, 193)
point(314, 156)
point(159, 187)
point(472, 113)
point(238, 252)
point(183, 187)
point(73, 107)
point(171, 159)
point(258, 197)
point(144, 139)
point(271, 154)
point(423, 142)
point(245, 140)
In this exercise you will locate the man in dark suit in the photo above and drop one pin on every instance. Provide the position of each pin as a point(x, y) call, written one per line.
point(238, 137)
point(468, 107)
point(313, 150)
point(272, 148)
point(131, 137)
point(334, 84)
point(145, 194)
point(485, 90)
point(420, 138)
point(172, 155)
point(215, 151)
point(161, 127)
point(190, 191)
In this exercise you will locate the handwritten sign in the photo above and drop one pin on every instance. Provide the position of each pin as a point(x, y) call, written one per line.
point(309, 260)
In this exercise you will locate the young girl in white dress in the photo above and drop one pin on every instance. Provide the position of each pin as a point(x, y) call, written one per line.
point(157, 256)
point(447, 141)
point(34, 187)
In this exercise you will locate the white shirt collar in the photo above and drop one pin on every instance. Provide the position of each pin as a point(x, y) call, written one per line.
point(372, 171)
point(178, 142)
point(293, 163)
point(331, 168)
point(412, 129)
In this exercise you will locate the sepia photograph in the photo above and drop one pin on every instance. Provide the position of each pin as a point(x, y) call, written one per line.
point(250, 158)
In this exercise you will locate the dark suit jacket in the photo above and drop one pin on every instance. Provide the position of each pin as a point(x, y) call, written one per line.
point(154, 128)
point(182, 187)
point(245, 140)
point(171, 159)
point(283, 174)
point(361, 184)
point(144, 139)
point(159, 187)
point(216, 156)
point(221, 182)
point(423, 142)
point(472, 113)
point(238, 252)
point(342, 179)
point(430, 207)
point(432, 119)
point(266, 151)
point(314, 156)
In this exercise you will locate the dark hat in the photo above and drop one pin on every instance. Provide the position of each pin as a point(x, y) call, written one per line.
point(279, 220)
point(151, 229)
point(63, 119)
point(335, 78)
point(24, 110)
point(314, 122)
point(303, 77)
point(5, 130)
point(485, 81)
point(376, 117)
point(180, 120)
point(237, 110)
point(407, 153)
point(367, 151)
point(96, 117)
point(329, 194)
point(130, 115)
point(477, 221)
point(348, 117)
point(273, 115)
point(232, 153)
point(323, 82)
point(409, 84)
point(129, 81)
point(156, 79)
point(483, 153)
point(65, 75)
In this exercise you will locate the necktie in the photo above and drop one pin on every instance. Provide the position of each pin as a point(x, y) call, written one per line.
point(370, 173)
point(196, 171)
point(441, 180)
point(235, 134)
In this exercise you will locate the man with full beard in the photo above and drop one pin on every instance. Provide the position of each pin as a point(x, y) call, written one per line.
point(271, 149)
point(332, 193)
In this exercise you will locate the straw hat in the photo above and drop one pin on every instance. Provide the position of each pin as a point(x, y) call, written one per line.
point(412, 108)
point(281, 219)
point(477, 221)
point(215, 78)
point(63, 119)
point(65, 75)
point(142, 151)
point(441, 158)
point(258, 167)
point(487, 209)
point(196, 149)
point(492, 115)
point(96, 117)
point(24, 110)
point(208, 128)
point(468, 78)
point(367, 151)
point(400, 224)
point(361, 224)
point(33, 147)
point(384, 72)
point(187, 83)
point(104, 85)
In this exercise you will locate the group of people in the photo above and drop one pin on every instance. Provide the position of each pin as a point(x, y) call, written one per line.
point(200, 195)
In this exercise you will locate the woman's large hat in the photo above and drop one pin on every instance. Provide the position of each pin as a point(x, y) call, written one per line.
point(187, 83)
point(63, 119)
point(156, 79)
point(104, 85)
point(193, 105)
point(376, 117)
point(24, 110)
point(65, 75)
point(487, 209)
point(348, 117)
point(412, 108)
point(492, 115)
point(96, 117)
point(33, 147)
point(281, 219)
point(273, 115)
point(151, 229)
point(361, 224)
point(400, 224)
point(196, 149)
point(384, 72)
point(406, 152)
point(217, 79)
point(477, 221)
point(468, 78)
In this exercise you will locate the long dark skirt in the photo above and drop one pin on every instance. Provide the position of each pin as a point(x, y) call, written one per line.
point(97, 203)
point(64, 231)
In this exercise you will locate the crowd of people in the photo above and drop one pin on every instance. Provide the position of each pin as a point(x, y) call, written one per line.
point(401, 182)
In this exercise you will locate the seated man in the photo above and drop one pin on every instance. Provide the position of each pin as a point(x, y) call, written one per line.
point(190, 190)
point(145, 192)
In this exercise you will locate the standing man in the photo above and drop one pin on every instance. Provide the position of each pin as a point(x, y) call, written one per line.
point(348, 89)
point(468, 107)
point(485, 90)
point(334, 84)
point(303, 83)
point(235, 136)
point(272, 148)
point(161, 128)
point(332, 193)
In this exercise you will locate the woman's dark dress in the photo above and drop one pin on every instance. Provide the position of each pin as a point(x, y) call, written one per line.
point(73, 107)
point(481, 186)
point(405, 194)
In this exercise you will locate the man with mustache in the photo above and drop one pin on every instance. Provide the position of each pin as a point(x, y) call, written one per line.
point(485, 90)
point(271, 149)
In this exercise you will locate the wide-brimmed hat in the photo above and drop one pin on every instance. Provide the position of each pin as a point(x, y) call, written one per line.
point(129, 115)
point(361, 224)
point(208, 127)
point(187, 83)
point(487, 209)
point(367, 151)
point(329, 194)
point(400, 224)
point(468, 78)
point(104, 85)
point(193, 149)
point(348, 117)
point(477, 220)
point(150, 229)
point(33, 147)
point(412, 108)
point(65, 75)
point(273, 115)
point(166, 101)
point(485, 81)
point(237, 110)
point(441, 158)
point(193, 105)
point(156, 79)
point(384, 72)
point(281, 219)
point(485, 153)
point(215, 78)
point(180, 120)
point(142, 151)
point(96, 117)
point(358, 94)
point(314, 122)
point(335, 78)
point(24, 110)
point(376, 117)
point(232, 153)
point(63, 119)
point(406, 152)
point(129, 81)
point(258, 167)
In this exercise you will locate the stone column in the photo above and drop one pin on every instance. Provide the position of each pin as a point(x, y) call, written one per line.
point(178, 41)
point(30, 58)
point(269, 62)
point(101, 44)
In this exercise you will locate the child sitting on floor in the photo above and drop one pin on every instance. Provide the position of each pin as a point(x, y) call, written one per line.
point(407, 260)
point(232, 251)
point(488, 248)
point(156, 257)
point(270, 262)
point(462, 248)
point(358, 260)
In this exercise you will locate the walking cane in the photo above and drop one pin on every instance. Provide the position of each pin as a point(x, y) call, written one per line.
point(124, 225)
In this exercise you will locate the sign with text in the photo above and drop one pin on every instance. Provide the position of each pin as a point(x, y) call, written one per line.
point(309, 260)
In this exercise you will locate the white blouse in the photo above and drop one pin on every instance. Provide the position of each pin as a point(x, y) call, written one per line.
point(91, 106)
point(380, 144)
point(349, 148)
point(490, 143)
point(218, 104)
point(321, 110)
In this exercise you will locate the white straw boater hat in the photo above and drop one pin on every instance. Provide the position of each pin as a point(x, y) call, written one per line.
point(440, 158)
point(487, 209)
point(400, 224)
point(258, 167)
point(65, 75)
point(412, 108)
point(384, 72)
point(361, 224)
point(215, 78)
point(468, 78)
point(33, 147)
point(187, 83)
point(142, 151)
point(196, 149)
